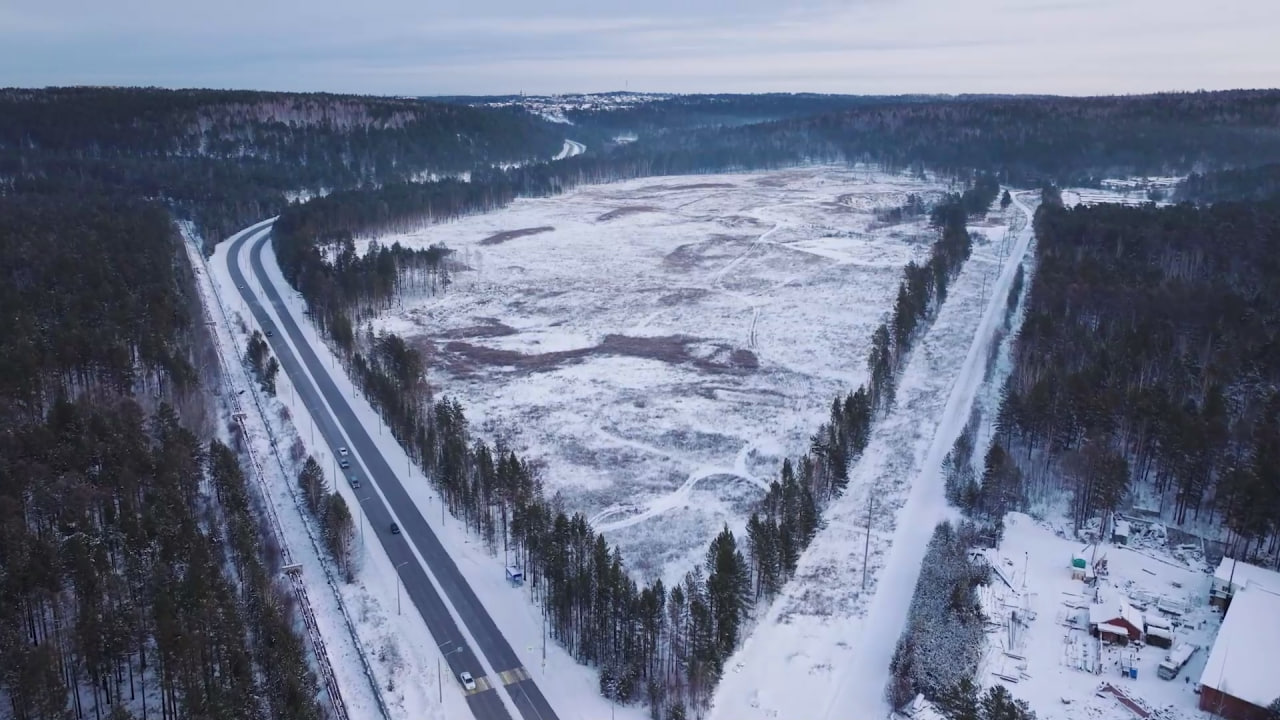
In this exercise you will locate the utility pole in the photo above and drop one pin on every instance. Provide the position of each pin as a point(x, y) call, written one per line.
point(1231, 579)
point(866, 549)
point(406, 562)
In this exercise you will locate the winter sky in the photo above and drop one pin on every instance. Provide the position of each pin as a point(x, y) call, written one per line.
point(421, 47)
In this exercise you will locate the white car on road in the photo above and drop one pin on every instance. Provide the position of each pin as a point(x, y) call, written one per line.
point(468, 682)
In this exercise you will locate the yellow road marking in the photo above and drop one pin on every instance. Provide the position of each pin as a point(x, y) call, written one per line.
point(513, 676)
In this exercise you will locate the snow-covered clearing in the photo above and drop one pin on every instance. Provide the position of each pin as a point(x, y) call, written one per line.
point(402, 651)
point(1126, 191)
point(823, 648)
point(661, 344)
point(1052, 662)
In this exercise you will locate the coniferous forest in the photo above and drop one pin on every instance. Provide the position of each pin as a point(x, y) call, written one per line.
point(137, 579)
point(137, 574)
point(1147, 369)
point(227, 159)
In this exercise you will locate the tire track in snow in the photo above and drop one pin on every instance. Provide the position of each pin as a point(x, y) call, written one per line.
point(680, 497)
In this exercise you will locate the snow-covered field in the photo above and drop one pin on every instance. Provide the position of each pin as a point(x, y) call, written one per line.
point(660, 345)
point(822, 650)
point(1051, 661)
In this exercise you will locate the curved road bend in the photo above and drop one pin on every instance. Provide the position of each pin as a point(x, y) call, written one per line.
point(484, 701)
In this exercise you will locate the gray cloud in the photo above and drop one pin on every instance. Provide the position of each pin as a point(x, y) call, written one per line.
point(503, 46)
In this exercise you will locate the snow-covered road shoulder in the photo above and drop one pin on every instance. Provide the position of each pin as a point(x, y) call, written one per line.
point(331, 610)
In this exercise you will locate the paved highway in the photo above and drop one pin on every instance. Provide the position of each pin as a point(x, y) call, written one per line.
point(484, 700)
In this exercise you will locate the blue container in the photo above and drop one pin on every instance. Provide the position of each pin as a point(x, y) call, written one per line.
point(1133, 673)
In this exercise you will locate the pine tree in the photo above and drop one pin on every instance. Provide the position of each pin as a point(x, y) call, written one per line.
point(998, 704)
point(959, 701)
point(339, 531)
point(312, 483)
point(728, 591)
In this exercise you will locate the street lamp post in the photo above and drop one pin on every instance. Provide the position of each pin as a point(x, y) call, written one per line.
point(443, 654)
point(360, 504)
point(406, 562)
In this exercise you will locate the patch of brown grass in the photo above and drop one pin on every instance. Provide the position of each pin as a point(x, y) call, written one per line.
point(684, 296)
point(624, 211)
point(688, 186)
point(505, 235)
point(744, 359)
point(464, 358)
point(492, 328)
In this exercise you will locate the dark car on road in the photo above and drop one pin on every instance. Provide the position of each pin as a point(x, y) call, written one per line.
point(395, 529)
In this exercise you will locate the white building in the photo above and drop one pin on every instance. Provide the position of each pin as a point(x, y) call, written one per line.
point(1240, 677)
point(1233, 575)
